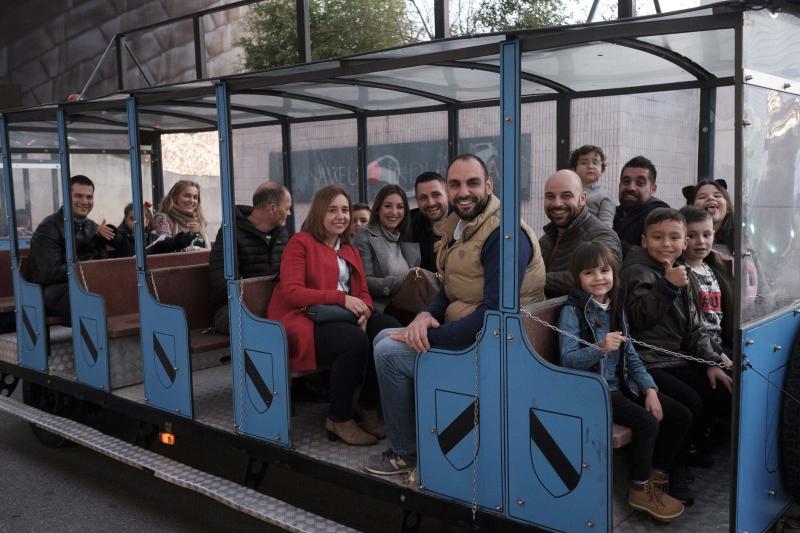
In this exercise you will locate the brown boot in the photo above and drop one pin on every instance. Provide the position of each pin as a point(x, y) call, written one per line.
point(660, 479)
point(650, 499)
point(369, 422)
point(349, 432)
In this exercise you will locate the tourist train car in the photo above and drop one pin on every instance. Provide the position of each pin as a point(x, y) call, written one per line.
point(507, 439)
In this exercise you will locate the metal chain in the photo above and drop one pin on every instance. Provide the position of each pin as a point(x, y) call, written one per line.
point(629, 339)
point(789, 395)
point(475, 445)
point(240, 427)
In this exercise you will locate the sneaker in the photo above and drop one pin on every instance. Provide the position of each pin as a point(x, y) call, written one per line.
point(678, 484)
point(389, 463)
point(652, 500)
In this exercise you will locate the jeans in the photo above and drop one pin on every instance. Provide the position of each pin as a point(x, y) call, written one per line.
point(394, 363)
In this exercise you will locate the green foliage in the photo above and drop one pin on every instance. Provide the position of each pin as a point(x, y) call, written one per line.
point(501, 15)
point(338, 28)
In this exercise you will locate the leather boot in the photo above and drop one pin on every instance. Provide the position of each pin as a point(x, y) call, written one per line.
point(349, 432)
point(369, 421)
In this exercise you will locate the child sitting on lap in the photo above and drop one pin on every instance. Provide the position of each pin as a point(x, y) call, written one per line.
point(594, 313)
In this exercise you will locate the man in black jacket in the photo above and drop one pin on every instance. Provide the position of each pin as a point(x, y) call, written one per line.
point(431, 198)
point(48, 257)
point(637, 185)
point(261, 236)
point(571, 225)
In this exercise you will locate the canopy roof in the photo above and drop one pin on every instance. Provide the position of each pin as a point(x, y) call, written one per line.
point(687, 49)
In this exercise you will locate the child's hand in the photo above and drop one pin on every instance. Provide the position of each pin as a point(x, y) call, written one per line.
point(653, 404)
point(613, 341)
point(678, 275)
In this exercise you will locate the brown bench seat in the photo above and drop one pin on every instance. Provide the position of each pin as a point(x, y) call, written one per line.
point(6, 281)
point(6, 304)
point(187, 287)
point(545, 341)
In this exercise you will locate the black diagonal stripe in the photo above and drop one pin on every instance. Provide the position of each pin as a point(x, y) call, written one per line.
point(459, 428)
point(162, 358)
point(87, 339)
point(552, 452)
point(28, 326)
point(261, 386)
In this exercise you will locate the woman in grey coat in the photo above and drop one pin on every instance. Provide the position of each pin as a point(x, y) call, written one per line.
point(385, 246)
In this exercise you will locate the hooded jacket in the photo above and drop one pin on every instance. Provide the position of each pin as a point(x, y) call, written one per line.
point(662, 314)
point(557, 250)
point(258, 253)
point(582, 317)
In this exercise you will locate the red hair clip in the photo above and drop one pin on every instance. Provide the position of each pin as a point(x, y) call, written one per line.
point(148, 205)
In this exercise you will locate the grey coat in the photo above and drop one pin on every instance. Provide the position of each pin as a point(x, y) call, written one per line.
point(376, 254)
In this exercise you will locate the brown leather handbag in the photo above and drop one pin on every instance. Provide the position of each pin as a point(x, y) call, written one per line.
point(417, 291)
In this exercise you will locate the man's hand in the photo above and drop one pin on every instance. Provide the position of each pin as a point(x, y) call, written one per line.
point(717, 375)
point(416, 333)
point(678, 275)
point(726, 361)
point(105, 231)
point(613, 341)
point(437, 246)
point(653, 404)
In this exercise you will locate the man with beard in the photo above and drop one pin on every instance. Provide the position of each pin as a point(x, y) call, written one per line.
point(637, 184)
point(469, 262)
point(432, 201)
point(571, 225)
point(261, 236)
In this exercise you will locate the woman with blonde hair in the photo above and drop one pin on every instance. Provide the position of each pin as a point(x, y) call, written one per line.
point(179, 222)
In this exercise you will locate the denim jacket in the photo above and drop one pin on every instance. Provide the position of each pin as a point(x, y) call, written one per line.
point(580, 306)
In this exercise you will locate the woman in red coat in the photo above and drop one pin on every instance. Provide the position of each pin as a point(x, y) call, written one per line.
point(319, 266)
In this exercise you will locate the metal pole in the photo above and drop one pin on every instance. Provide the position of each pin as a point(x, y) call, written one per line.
point(441, 19)
point(361, 127)
point(286, 152)
point(303, 31)
point(452, 133)
point(63, 152)
point(705, 136)
point(226, 180)
point(563, 134)
point(156, 170)
point(199, 47)
point(8, 193)
point(136, 181)
point(624, 9)
point(120, 67)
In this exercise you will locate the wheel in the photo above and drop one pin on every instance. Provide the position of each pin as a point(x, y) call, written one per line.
point(53, 402)
point(790, 429)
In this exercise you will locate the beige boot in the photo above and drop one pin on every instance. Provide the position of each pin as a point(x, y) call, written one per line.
point(349, 432)
point(371, 423)
point(650, 499)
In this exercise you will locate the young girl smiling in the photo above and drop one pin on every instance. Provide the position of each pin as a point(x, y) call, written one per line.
point(594, 313)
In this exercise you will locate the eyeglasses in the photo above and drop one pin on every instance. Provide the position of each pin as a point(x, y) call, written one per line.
point(590, 163)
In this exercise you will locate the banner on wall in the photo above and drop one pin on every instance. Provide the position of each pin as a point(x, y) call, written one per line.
point(397, 164)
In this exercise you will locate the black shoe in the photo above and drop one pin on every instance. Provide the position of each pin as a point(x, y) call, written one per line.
point(699, 458)
point(679, 485)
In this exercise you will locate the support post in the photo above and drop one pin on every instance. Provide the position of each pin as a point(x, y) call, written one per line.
point(361, 127)
point(303, 31)
point(452, 133)
point(563, 133)
point(441, 19)
point(706, 133)
point(199, 47)
point(286, 151)
point(624, 9)
point(226, 180)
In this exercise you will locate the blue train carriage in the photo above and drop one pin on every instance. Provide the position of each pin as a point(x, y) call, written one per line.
point(500, 442)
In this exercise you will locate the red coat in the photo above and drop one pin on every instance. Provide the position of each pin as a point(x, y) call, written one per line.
point(309, 275)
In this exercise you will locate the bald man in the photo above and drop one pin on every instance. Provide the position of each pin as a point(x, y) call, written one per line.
point(261, 236)
point(571, 224)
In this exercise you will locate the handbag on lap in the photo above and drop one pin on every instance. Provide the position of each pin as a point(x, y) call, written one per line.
point(321, 313)
point(417, 291)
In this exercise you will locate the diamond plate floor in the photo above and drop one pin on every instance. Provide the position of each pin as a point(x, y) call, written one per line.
point(213, 406)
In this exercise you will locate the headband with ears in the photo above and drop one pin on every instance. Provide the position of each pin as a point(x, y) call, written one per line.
point(689, 190)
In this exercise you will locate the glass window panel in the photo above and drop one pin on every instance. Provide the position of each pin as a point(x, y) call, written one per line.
point(434, 47)
point(222, 32)
point(712, 50)
point(600, 66)
point(323, 153)
point(257, 157)
point(771, 211)
point(165, 53)
point(724, 160)
point(291, 107)
point(361, 97)
point(401, 147)
point(32, 137)
point(479, 134)
point(661, 126)
point(772, 43)
point(37, 192)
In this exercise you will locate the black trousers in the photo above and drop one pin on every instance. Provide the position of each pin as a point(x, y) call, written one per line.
point(689, 385)
point(56, 300)
point(654, 443)
point(347, 350)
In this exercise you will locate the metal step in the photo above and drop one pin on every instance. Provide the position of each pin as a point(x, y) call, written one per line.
point(261, 506)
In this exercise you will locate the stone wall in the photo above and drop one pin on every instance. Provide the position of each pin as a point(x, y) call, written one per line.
point(49, 48)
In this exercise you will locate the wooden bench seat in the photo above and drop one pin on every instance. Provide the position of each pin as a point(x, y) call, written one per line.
point(6, 304)
point(6, 280)
point(187, 287)
point(545, 341)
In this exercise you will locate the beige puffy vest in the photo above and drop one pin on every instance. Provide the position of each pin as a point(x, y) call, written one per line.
point(460, 263)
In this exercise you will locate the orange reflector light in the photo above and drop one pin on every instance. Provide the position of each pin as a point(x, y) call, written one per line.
point(166, 438)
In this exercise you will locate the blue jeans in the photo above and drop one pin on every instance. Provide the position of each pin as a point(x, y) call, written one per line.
point(394, 363)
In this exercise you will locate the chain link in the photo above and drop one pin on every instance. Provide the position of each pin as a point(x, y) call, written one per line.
point(475, 445)
point(629, 339)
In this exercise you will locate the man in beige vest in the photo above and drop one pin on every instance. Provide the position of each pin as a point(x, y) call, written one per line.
point(469, 261)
